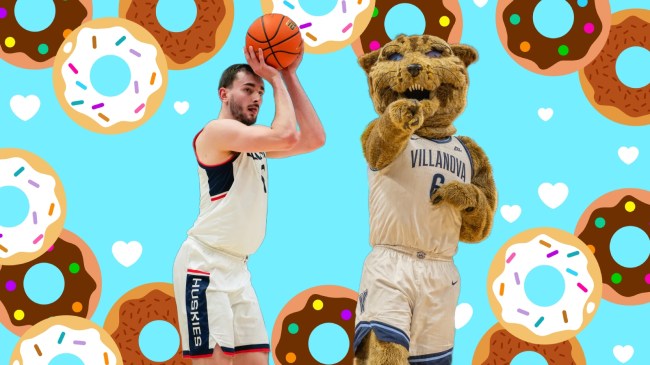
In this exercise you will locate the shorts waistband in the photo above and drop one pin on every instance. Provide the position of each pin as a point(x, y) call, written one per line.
point(231, 255)
point(419, 254)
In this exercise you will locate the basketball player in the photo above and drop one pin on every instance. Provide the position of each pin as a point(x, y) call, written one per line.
point(219, 316)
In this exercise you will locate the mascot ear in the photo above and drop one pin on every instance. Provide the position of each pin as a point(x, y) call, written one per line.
point(466, 53)
point(368, 60)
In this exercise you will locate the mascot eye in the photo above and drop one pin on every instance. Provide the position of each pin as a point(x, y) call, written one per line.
point(434, 53)
point(395, 56)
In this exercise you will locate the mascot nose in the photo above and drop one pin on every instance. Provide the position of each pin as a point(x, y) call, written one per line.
point(414, 69)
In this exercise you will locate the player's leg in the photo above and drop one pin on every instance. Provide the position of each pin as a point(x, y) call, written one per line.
point(251, 340)
point(204, 312)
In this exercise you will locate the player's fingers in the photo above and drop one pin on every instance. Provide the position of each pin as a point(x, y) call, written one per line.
point(260, 54)
point(246, 55)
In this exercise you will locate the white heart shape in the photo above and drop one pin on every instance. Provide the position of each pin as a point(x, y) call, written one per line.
point(628, 154)
point(480, 3)
point(464, 313)
point(623, 353)
point(181, 107)
point(127, 253)
point(545, 114)
point(510, 212)
point(553, 195)
point(25, 107)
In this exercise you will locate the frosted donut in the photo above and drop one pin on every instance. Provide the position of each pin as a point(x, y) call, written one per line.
point(596, 227)
point(27, 49)
point(582, 285)
point(600, 83)
point(110, 37)
point(329, 32)
point(44, 191)
point(66, 335)
point(78, 265)
point(553, 56)
point(498, 347)
point(443, 19)
point(133, 311)
point(193, 46)
point(306, 311)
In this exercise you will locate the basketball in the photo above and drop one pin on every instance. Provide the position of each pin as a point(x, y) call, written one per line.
point(278, 37)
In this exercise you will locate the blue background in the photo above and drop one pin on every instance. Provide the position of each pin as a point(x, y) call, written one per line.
point(143, 185)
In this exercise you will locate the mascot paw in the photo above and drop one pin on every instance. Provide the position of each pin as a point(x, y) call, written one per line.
point(458, 194)
point(406, 114)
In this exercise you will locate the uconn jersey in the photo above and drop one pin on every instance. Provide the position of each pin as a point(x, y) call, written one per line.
point(401, 212)
point(233, 202)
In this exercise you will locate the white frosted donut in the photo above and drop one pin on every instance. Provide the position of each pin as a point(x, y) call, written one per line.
point(44, 192)
point(66, 335)
point(110, 37)
point(582, 285)
point(329, 32)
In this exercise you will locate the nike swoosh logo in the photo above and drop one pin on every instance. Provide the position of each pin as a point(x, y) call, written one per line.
point(454, 282)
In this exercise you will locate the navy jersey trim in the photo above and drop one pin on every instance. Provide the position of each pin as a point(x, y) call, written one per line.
point(204, 165)
point(471, 160)
point(440, 358)
point(383, 331)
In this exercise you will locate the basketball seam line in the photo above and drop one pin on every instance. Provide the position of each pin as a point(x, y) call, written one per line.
point(286, 39)
point(269, 42)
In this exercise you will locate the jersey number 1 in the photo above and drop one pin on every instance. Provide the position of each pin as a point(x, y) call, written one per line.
point(263, 182)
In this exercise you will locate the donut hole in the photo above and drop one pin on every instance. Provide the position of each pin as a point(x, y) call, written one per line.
point(176, 15)
point(159, 341)
point(632, 67)
point(553, 18)
point(630, 247)
point(529, 358)
point(16, 199)
point(318, 7)
point(329, 343)
point(44, 283)
point(404, 19)
point(110, 75)
point(31, 20)
point(66, 359)
point(544, 285)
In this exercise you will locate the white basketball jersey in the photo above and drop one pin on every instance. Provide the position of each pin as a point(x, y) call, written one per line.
point(401, 212)
point(233, 203)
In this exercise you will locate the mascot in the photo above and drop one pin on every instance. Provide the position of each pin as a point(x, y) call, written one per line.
point(428, 189)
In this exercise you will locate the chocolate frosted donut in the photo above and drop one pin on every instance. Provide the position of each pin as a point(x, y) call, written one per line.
point(193, 46)
point(27, 49)
point(133, 311)
point(80, 294)
point(600, 83)
point(498, 347)
point(305, 312)
point(443, 19)
point(598, 224)
point(553, 56)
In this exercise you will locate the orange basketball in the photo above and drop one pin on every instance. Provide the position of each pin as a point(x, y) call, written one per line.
point(278, 37)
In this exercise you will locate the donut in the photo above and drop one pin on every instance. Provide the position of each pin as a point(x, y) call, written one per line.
point(110, 37)
point(306, 311)
point(78, 265)
point(582, 285)
point(47, 206)
point(329, 32)
point(597, 226)
point(600, 83)
point(23, 48)
point(553, 56)
point(193, 46)
point(443, 19)
point(133, 311)
point(66, 335)
point(498, 347)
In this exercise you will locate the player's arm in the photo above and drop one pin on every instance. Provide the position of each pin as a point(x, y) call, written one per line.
point(311, 135)
point(231, 135)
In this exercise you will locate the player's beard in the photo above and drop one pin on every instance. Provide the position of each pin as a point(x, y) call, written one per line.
point(238, 113)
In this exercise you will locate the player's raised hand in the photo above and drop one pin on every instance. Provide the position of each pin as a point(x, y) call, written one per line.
point(259, 66)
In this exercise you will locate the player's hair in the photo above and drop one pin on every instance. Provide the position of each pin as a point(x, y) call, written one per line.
point(229, 74)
